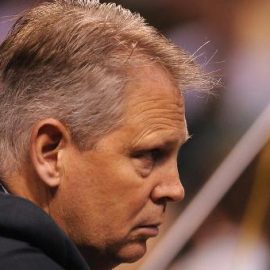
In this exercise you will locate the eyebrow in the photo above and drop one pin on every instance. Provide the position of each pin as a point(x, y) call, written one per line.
point(163, 142)
point(180, 141)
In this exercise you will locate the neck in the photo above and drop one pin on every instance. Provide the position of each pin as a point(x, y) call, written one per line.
point(96, 260)
point(28, 187)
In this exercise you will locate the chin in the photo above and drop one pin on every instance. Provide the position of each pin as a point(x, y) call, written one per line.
point(132, 251)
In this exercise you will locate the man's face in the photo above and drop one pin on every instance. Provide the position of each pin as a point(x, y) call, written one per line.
point(113, 197)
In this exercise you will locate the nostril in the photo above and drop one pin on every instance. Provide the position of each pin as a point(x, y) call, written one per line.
point(163, 203)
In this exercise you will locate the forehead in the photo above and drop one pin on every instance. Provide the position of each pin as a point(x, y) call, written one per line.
point(154, 104)
point(151, 81)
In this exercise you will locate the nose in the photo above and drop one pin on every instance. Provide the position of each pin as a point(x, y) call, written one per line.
point(169, 187)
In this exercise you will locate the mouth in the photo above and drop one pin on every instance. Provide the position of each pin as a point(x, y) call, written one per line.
point(148, 230)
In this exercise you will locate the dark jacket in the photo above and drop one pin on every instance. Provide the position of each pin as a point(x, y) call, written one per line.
point(30, 239)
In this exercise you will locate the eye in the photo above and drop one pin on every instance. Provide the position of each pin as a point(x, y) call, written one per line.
point(146, 159)
point(151, 155)
point(156, 154)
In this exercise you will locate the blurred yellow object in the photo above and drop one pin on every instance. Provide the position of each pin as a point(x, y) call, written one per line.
point(257, 207)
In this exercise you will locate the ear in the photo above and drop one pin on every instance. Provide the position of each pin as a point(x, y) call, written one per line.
point(49, 138)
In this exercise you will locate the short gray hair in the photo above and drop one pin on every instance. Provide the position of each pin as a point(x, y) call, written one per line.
point(68, 60)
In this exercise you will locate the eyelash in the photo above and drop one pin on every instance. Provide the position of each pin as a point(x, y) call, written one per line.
point(155, 154)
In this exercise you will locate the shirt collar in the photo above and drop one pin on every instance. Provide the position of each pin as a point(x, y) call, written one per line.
point(2, 189)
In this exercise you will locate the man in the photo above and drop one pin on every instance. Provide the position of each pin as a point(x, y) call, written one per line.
point(91, 121)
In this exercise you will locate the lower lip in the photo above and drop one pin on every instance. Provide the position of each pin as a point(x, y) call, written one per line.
point(150, 231)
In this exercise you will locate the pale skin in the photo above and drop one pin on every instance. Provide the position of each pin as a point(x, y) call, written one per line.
point(112, 198)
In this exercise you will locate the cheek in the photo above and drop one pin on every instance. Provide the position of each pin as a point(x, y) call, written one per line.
point(133, 191)
point(110, 186)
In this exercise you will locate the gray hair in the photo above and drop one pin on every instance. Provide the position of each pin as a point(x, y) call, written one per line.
point(68, 60)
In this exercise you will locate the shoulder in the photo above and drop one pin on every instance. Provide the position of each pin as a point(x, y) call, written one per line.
point(30, 239)
point(15, 254)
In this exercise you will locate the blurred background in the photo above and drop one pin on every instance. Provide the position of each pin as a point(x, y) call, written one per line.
point(230, 38)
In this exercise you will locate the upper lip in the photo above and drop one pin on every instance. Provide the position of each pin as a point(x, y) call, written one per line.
point(154, 224)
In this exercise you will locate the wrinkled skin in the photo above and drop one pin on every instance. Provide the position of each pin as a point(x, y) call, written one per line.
point(113, 197)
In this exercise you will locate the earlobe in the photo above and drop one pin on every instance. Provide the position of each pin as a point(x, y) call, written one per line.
point(49, 137)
